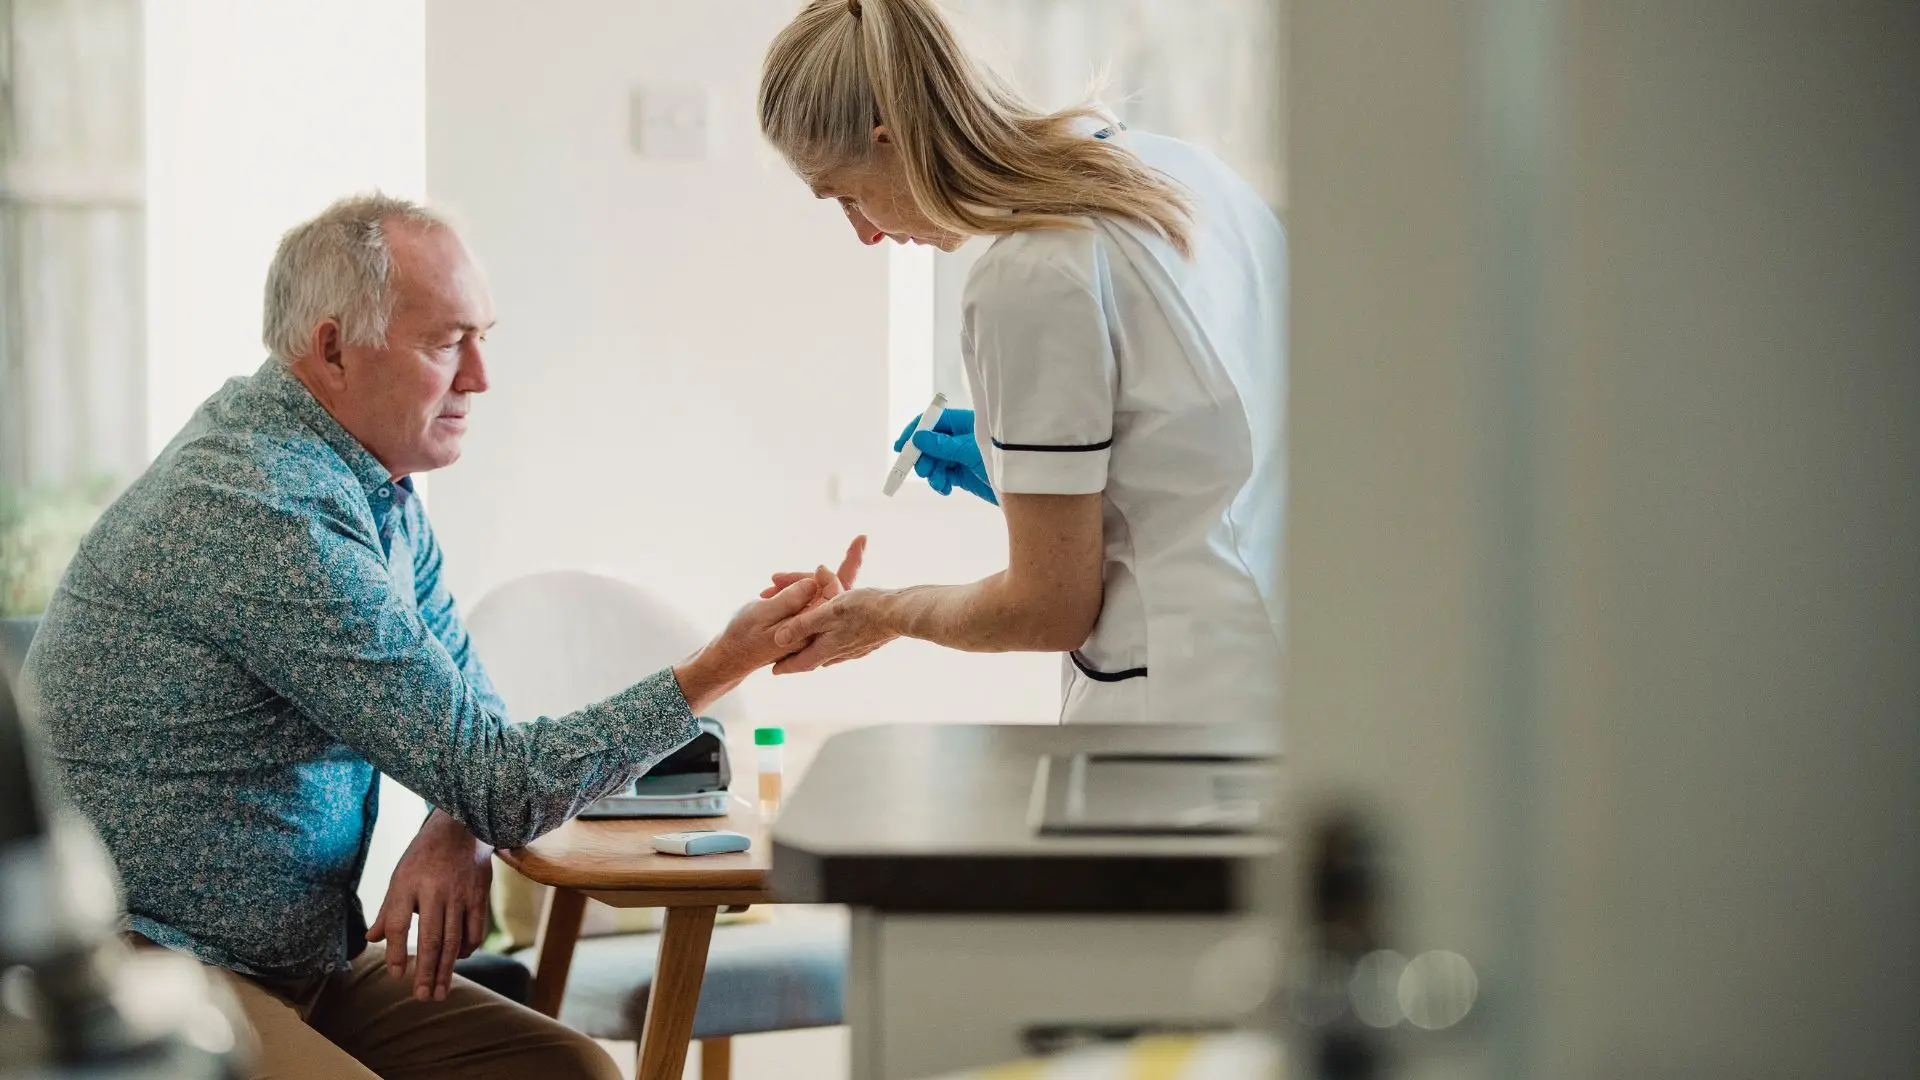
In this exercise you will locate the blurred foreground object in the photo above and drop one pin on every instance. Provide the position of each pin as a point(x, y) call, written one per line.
point(74, 1000)
point(1236, 1056)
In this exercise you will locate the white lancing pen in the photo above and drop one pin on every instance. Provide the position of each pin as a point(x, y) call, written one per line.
point(910, 454)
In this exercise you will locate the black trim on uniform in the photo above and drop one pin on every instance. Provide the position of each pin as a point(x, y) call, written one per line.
point(1106, 676)
point(1088, 448)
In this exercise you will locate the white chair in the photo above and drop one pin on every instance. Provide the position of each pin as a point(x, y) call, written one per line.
point(558, 640)
point(554, 642)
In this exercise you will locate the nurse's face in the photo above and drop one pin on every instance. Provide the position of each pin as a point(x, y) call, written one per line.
point(875, 198)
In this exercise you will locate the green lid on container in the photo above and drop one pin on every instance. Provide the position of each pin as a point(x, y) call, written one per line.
point(769, 736)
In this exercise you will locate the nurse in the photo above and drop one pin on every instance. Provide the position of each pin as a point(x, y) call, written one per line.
point(1124, 343)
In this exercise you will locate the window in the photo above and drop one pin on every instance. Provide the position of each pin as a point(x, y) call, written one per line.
point(1208, 71)
point(72, 309)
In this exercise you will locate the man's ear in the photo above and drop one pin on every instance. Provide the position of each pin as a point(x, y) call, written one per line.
point(326, 345)
point(882, 136)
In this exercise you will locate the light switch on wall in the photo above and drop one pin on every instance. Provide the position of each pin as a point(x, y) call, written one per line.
point(669, 122)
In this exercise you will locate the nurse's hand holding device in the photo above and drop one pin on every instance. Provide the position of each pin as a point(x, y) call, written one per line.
point(910, 456)
point(949, 454)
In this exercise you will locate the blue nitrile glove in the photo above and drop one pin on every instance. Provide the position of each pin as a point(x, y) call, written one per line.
point(949, 456)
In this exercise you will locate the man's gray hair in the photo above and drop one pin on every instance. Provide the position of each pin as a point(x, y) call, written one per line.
point(337, 266)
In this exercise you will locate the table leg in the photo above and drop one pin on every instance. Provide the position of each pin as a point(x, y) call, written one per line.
point(676, 992)
point(716, 1059)
point(559, 932)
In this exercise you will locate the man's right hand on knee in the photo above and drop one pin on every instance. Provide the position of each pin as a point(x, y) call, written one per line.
point(445, 876)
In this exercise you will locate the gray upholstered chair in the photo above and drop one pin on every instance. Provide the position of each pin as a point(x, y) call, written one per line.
point(781, 975)
point(553, 642)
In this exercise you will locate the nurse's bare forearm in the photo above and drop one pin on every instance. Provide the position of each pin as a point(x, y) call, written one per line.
point(1046, 600)
point(991, 615)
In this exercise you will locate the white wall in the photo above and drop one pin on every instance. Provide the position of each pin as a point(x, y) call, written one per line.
point(258, 115)
point(690, 353)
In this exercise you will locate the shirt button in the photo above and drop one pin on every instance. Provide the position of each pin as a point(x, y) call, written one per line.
point(385, 492)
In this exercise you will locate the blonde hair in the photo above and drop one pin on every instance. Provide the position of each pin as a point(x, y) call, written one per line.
point(974, 148)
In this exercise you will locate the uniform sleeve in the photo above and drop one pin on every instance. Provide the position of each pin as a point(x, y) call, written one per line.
point(1040, 351)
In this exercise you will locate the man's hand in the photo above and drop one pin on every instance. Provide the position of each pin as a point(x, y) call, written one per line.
point(745, 646)
point(445, 877)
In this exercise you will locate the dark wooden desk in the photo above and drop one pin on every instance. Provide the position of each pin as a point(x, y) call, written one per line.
point(971, 931)
point(939, 818)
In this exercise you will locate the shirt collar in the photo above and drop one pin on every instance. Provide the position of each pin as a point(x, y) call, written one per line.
point(279, 383)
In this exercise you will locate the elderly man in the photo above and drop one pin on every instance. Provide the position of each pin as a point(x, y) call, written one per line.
point(258, 628)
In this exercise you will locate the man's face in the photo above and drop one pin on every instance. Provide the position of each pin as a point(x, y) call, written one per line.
point(407, 401)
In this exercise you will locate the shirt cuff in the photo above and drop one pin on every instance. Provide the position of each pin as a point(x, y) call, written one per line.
point(1061, 470)
point(651, 719)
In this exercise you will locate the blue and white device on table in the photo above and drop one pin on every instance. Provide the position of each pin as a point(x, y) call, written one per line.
point(910, 454)
point(701, 842)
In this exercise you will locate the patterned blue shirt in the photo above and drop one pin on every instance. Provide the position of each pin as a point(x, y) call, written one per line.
point(245, 640)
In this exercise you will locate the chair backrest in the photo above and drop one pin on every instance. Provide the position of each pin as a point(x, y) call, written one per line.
point(15, 636)
point(556, 641)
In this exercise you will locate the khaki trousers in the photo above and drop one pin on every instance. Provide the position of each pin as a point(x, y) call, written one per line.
point(360, 1024)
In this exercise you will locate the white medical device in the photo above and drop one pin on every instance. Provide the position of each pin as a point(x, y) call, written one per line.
point(701, 842)
point(910, 454)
